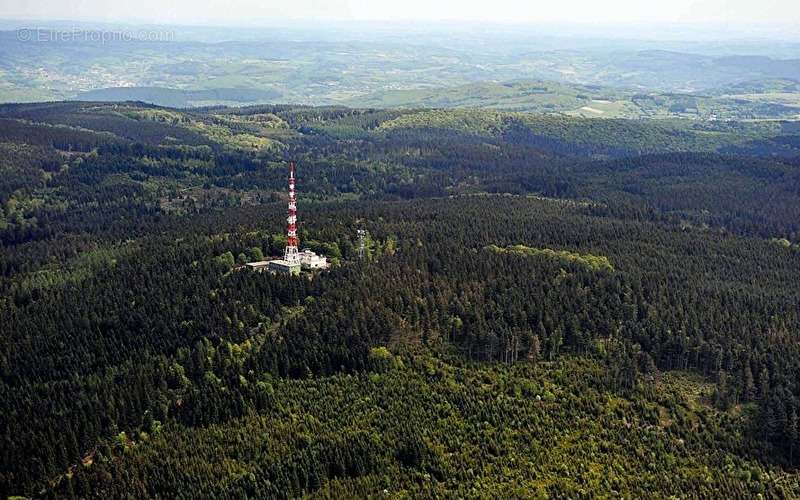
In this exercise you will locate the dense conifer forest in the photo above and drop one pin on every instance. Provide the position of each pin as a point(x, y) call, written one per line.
point(546, 306)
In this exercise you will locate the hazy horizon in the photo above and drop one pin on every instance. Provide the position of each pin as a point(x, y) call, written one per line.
point(657, 32)
point(731, 18)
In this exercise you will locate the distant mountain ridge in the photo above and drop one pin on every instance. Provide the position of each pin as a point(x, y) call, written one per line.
point(177, 98)
point(760, 99)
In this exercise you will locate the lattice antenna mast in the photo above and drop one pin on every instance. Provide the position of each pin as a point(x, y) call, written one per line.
point(292, 242)
point(362, 234)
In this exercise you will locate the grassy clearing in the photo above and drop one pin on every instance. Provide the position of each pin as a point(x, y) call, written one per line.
point(592, 262)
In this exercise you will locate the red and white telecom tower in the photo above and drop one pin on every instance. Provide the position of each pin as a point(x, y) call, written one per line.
point(292, 242)
point(294, 260)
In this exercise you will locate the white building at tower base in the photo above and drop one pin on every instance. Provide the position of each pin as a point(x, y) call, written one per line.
point(310, 260)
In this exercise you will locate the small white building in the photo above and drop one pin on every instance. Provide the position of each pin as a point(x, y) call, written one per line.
point(306, 260)
point(310, 260)
point(284, 267)
point(275, 266)
point(257, 266)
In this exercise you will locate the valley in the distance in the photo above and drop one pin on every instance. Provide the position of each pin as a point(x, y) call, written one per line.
point(426, 65)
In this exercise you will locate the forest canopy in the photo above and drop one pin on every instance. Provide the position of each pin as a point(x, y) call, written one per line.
point(543, 305)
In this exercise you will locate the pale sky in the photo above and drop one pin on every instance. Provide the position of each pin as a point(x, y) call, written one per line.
point(720, 12)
